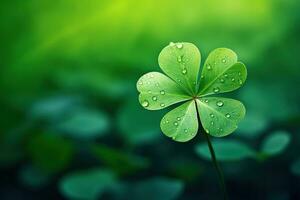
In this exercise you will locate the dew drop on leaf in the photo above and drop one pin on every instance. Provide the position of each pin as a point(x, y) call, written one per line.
point(216, 90)
point(156, 84)
point(206, 130)
point(179, 59)
point(149, 92)
point(240, 82)
point(154, 98)
point(162, 105)
point(140, 83)
point(184, 71)
point(212, 123)
point(222, 80)
point(185, 130)
point(220, 103)
point(172, 44)
point(179, 45)
point(176, 123)
point(232, 79)
point(223, 60)
point(206, 100)
point(225, 75)
point(202, 77)
point(212, 115)
point(162, 92)
point(151, 76)
point(228, 115)
point(145, 103)
point(208, 66)
point(178, 118)
point(239, 74)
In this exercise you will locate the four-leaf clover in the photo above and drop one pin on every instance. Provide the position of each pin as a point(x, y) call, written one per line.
point(181, 63)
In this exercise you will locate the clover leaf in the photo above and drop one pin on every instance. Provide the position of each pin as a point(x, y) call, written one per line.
point(222, 72)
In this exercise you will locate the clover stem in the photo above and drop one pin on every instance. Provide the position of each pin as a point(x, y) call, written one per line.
point(214, 159)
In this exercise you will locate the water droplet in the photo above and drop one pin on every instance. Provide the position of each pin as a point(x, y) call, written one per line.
point(208, 66)
point(156, 84)
point(154, 98)
point(179, 80)
point(225, 75)
point(206, 100)
point(222, 80)
point(206, 130)
point(148, 82)
point(179, 59)
point(228, 115)
point(240, 82)
point(184, 71)
point(212, 115)
point(179, 45)
point(239, 73)
point(232, 79)
point(162, 92)
point(172, 44)
point(178, 118)
point(220, 103)
point(221, 130)
point(212, 123)
point(151, 76)
point(149, 92)
point(162, 105)
point(140, 82)
point(216, 90)
point(176, 123)
point(167, 121)
point(145, 103)
point(202, 77)
point(223, 60)
point(174, 137)
point(185, 130)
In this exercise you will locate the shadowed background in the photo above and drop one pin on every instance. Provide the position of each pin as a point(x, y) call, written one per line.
point(71, 125)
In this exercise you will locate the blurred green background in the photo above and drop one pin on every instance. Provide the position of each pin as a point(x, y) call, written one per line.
point(72, 127)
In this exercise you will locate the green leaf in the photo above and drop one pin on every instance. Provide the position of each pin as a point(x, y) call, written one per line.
point(158, 91)
point(33, 177)
point(156, 188)
point(50, 153)
point(181, 123)
point(276, 143)
point(121, 162)
point(137, 125)
point(226, 150)
point(181, 62)
point(220, 116)
point(86, 185)
point(295, 168)
point(252, 125)
point(84, 124)
point(221, 73)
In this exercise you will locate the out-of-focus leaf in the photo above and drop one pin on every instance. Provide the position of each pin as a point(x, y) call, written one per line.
point(156, 188)
point(295, 167)
point(226, 150)
point(50, 152)
point(137, 125)
point(53, 108)
point(86, 185)
point(33, 177)
point(252, 125)
point(120, 161)
point(84, 124)
point(275, 143)
point(93, 81)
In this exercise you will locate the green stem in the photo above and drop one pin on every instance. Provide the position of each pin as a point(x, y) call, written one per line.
point(214, 159)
